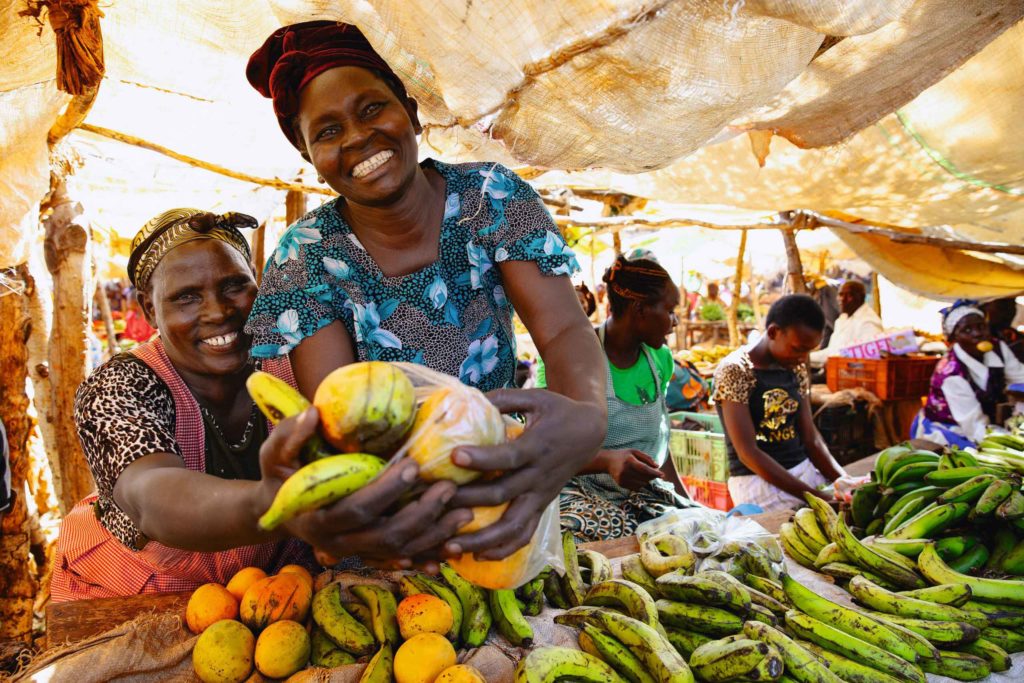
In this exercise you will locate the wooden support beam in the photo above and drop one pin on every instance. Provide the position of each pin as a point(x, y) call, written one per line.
point(795, 283)
point(66, 249)
point(108, 317)
point(732, 315)
point(259, 246)
point(17, 581)
point(205, 165)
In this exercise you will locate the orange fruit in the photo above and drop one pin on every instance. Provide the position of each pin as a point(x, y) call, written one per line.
point(275, 598)
point(461, 673)
point(422, 658)
point(282, 649)
point(224, 653)
point(244, 578)
point(493, 574)
point(208, 604)
point(423, 613)
point(298, 570)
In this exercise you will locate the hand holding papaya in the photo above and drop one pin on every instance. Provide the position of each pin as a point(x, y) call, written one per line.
point(359, 524)
point(561, 436)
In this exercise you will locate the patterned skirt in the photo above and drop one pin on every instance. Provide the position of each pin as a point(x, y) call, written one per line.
point(594, 508)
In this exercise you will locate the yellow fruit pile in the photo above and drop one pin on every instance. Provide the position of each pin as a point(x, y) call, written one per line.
point(278, 626)
point(368, 412)
point(254, 620)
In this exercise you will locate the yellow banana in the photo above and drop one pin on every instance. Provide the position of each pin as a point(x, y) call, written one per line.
point(740, 597)
point(1000, 591)
point(476, 613)
point(962, 666)
point(612, 652)
point(381, 667)
point(324, 652)
point(800, 664)
point(806, 522)
point(998, 659)
point(598, 565)
point(660, 657)
point(953, 594)
point(666, 552)
point(320, 483)
point(626, 595)
point(809, 628)
point(795, 547)
point(338, 625)
point(553, 664)
point(948, 634)
point(720, 661)
point(572, 580)
point(633, 570)
point(847, 669)
point(847, 620)
point(868, 594)
point(772, 589)
point(702, 618)
point(277, 400)
point(383, 611)
point(686, 641)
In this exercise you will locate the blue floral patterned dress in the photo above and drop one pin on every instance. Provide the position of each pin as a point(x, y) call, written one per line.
point(451, 315)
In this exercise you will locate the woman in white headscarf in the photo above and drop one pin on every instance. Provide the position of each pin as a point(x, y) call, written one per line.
point(969, 382)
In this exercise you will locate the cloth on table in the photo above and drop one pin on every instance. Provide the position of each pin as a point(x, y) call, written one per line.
point(753, 489)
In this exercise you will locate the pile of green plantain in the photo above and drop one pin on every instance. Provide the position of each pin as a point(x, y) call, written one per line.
point(958, 625)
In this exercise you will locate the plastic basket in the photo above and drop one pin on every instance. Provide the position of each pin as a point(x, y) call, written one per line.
point(890, 379)
point(700, 454)
point(714, 494)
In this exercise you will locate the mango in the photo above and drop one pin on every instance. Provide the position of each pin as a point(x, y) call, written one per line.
point(208, 604)
point(365, 407)
point(282, 649)
point(223, 653)
point(422, 658)
point(276, 598)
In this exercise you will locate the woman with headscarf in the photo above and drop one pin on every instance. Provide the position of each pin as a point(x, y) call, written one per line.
point(968, 382)
point(624, 484)
point(423, 262)
point(181, 456)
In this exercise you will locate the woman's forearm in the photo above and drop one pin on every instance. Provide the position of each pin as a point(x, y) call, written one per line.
point(576, 367)
point(194, 511)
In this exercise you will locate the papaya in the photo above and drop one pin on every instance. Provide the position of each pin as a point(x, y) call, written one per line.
point(494, 574)
point(365, 407)
point(449, 418)
point(275, 598)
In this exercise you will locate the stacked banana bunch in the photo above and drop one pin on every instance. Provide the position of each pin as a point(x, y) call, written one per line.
point(705, 357)
point(955, 624)
point(969, 503)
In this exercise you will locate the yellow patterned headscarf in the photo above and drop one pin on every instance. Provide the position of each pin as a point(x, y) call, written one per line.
point(177, 227)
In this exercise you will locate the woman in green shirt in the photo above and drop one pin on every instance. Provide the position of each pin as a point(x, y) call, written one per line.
point(624, 485)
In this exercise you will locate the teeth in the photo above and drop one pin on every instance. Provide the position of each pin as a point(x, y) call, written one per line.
point(222, 340)
point(371, 164)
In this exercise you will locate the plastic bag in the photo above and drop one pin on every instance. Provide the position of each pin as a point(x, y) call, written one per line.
point(731, 543)
point(450, 414)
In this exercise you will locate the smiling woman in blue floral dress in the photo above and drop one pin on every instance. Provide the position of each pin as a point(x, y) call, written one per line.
point(423, 262)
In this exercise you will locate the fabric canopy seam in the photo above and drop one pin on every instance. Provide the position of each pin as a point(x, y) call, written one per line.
point(948, 165)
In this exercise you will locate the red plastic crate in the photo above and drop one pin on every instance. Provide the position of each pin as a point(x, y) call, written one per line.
point(890, 379)
point(714, 494)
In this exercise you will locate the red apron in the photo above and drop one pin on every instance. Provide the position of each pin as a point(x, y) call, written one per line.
point(92, 563)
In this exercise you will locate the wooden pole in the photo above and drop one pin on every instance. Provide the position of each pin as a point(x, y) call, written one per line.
point(205, 165)
point(617, 243)
point(294, 206)
point(876, 295)
point(19, 586)
point(795, 283)
point(734, 306)
point(108, 318)
point(259, 239)
point(66, 247)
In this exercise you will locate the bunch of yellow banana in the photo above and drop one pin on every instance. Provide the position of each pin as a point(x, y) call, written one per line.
point(553, 664)
point(583, 568)
point(634, 649)
point(325, 478)
point(709, 355)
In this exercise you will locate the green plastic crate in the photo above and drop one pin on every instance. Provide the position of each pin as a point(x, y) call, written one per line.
point(699, 454)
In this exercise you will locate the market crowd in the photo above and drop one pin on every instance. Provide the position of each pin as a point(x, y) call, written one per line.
point(423, 262)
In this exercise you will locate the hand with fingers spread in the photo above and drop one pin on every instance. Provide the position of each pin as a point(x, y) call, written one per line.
point(630, 468)
point(364, 523)
point(561, 436)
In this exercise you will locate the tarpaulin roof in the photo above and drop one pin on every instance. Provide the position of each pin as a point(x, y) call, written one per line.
point(632, 86)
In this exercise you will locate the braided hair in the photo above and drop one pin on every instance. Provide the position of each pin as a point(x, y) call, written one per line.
point(638, 280)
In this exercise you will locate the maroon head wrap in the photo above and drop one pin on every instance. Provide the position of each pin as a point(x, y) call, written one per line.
point(294, 55)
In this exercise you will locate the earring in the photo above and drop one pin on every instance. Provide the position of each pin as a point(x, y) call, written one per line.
point(319, 178)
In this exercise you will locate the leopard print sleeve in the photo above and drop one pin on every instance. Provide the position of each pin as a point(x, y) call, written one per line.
point(123, 412)
point(734, 378)
point(803, 378)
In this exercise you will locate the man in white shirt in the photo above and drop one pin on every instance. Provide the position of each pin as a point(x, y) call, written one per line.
point(858, 323)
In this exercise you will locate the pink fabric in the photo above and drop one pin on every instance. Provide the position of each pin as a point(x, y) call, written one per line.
point(92, 563)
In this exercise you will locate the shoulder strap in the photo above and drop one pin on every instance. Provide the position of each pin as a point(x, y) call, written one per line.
point(188, 423)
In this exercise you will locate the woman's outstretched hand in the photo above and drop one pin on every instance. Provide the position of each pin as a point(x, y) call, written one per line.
point(364, 523)
point(561, 437)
